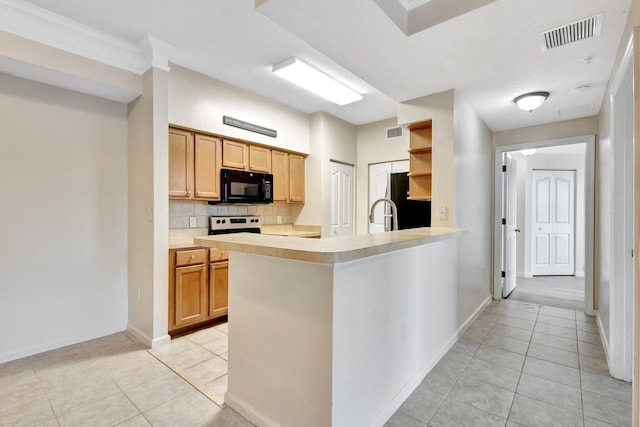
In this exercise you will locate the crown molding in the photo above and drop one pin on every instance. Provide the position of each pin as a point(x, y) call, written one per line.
point(40, 25)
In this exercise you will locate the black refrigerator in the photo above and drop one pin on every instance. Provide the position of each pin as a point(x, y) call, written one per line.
point(411, 213)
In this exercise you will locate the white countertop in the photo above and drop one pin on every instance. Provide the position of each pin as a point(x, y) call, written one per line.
point(330, 250)
point(292, 230)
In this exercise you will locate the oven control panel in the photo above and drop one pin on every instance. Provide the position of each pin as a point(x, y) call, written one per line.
point(231, 224)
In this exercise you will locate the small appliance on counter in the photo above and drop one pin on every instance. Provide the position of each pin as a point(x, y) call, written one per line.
point(234, 224)
point(245, 187)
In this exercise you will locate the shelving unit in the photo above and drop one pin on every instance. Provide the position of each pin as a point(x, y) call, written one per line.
point(420, 156)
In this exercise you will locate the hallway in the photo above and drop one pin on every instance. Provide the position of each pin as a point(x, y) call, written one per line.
point(521, 364)
point(555, 291)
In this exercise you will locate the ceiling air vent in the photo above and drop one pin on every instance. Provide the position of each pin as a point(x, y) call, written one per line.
point(395, 132)
point(576, 31)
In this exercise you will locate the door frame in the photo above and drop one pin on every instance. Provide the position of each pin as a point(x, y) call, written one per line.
point(621, 319)
point(589, 212)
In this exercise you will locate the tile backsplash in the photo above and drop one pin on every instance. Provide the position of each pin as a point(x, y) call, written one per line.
point(180, 211)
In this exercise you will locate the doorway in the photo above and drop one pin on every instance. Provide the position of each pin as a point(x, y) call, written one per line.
point(567, 229)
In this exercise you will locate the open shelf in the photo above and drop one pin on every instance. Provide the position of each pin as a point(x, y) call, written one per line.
point(420, 161)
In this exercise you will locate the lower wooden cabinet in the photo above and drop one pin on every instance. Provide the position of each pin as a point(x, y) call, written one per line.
point(190, 295)
point(218, 289)
point(198, 286)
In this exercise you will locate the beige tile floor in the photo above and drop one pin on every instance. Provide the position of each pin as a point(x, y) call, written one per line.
point(555, 291)
point(518, 364)
point(521, 364)
point(115, 381)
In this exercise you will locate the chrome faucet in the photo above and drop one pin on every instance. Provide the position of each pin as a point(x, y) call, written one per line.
point(394, 212)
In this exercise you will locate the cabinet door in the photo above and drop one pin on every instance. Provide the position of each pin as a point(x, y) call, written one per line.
point(234, 154)
point(190, 295)
point(280, 171)
point(208, 161)
point(259, 159)
point(180, 164)
point(296, 181)
point(218, 289)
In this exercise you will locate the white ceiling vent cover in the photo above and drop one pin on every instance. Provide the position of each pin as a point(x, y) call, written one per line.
point(395, 132)
point(570, 33)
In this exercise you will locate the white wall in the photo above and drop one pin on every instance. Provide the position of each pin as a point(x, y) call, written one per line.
point(199, 102)
point(540, 160)
point(374, 147)
point(63, 186)
point(472, 201)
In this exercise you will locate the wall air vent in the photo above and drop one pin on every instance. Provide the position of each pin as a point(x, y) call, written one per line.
point(570, 33)
point(395, 132)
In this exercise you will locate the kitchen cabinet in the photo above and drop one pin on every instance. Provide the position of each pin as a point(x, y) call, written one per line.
point(208, 161)
point(218, 289)
point(280, 170)
point(180, 164)
point(190, 288)
point(288, 177)
point(420, 157)
point(194, 165)
point(198, 286)
point(296, 178)
point(234, 154)
point(259, 159)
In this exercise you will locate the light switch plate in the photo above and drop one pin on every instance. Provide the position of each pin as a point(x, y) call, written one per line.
point(192, 222)
point(442, 213)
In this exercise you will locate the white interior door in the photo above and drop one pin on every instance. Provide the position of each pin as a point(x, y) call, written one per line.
point(510, 215)
point(553, 205)
point(341, 199)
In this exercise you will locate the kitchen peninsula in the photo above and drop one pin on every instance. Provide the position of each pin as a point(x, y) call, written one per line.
point(337, 332)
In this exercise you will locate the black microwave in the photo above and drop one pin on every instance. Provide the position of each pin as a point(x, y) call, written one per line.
point(245, 187)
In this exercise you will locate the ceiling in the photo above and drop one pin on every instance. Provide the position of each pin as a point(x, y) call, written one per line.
point(490, 54)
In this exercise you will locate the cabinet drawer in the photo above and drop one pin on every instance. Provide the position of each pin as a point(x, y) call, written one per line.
point(193, 256)
point(218, 255)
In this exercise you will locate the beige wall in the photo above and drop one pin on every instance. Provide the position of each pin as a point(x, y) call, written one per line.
point(374, 147)
point(472, 205)
point(148, 210)
point(63, 186)
point(439, 108)
point(564, 129)
point(199, 102)
point(331, 139)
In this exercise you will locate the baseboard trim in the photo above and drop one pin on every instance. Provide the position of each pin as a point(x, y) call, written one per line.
point(139, 336)
point(579, 273)
point(415, 381)
point(605, 342)
point(248, 411)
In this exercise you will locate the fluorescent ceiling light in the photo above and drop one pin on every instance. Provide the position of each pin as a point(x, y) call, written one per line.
point(531, 101)
point(307, 77)
point(528, 152)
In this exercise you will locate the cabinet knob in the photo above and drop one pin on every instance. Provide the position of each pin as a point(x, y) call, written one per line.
point(188, 192)
point(192, 257)
point(198, 193)
point(213, 267)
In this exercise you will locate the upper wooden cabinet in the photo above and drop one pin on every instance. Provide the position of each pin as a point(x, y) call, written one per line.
point(208, 161)
point(259, 159)
point(420, 156)
point(280, 170)
point(234, 154)
point(288, 177)
point(194, 165)
point(180, 164)
point(296, 178)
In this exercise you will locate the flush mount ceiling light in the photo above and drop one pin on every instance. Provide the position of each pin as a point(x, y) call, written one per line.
point(531, 101)
point(307, 77)
point(528, 152)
